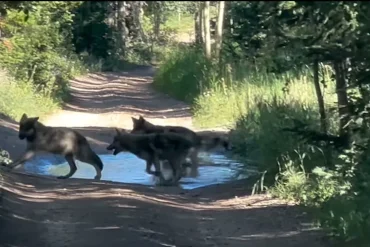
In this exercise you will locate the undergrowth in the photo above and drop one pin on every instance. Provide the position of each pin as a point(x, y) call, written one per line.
point(18, 98)
point(259, 106)
point(222, 94)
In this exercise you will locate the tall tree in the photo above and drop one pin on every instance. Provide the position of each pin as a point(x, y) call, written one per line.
point(137, 9)
point(198, 24)
point(220, 21)
point(207, 29)
point(157, 9)
point(122, 29)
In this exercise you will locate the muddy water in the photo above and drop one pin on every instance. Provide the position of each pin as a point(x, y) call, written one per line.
point(127, 168)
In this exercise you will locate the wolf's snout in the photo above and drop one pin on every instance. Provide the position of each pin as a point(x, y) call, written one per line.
point(110, 147)
point(114, 148)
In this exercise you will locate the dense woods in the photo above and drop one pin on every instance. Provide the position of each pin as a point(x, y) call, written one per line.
point(291, 78)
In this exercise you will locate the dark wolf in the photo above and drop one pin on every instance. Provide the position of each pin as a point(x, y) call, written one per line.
point(201, 143)
point(56, 140)
point(154, 148)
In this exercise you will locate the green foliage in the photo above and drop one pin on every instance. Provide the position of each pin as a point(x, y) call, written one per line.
point(181, 24)
point(183, 74)
point(37, 49)
point(308, 188)
point(18, 98)
point(273, 90)
point(259, 132)
point(347, 217)
point(91, 32)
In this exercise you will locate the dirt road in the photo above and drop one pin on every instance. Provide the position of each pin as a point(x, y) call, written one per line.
point(43, 211)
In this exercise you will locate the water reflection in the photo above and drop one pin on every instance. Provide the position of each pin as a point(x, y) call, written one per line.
point(127, 168)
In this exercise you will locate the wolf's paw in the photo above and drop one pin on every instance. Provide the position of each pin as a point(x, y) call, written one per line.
point(192, 172)
point(157, 174)
point(156, 180)
point(167, 174)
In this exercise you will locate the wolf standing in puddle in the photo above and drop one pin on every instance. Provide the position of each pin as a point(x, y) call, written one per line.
point(56, 140)
point(154, 148)
point(200, 143)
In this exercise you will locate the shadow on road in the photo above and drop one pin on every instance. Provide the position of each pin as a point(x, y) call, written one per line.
point(37, 211)
point(122, 92)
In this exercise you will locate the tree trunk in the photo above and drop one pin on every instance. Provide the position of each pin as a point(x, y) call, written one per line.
point(220, 21)
point(231, 25)
point(112, 14)
point(341, 90)
point(122, 29)
point(116, 15)
point(197, 28)
point(137, 15)
point(320, 101)
point(207, 31)
point(320, 98)
point(157, 20)
point(201, 23)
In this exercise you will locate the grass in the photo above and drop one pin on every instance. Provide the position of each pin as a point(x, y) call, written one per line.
point(182, 24)
point(182, 74)
point(226, 102)
point(258, 106)
point(18, 98)
point(222, 96)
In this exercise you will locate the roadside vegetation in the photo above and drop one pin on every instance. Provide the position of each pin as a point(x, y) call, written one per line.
point(290, 78)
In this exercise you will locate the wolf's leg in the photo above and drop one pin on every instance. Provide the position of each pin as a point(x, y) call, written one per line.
point(157, 166)
point(88, 156)
point(176, 165)
point(159, 174)
point(72, 165)
point(194, 163)
point(148, 169)
point(26, 156)
point(149, 164)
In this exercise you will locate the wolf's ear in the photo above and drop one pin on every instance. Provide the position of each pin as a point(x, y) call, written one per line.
point(134, 120)
point(117, 131)
point(141, 119)
point(24, 117)
point(34, 119)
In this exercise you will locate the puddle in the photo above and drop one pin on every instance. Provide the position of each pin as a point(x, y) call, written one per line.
point(127, 168)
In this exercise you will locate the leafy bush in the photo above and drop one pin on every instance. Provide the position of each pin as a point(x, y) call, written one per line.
point(184, 74)
point(37, 49)
point(18, 98)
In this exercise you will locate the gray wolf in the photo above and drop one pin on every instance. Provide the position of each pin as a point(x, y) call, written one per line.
point(154, 148)
point(201, 143)
point(56, 140)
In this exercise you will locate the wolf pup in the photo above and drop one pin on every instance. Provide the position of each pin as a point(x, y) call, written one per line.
point(200, 142)
point(154, 148)
point(56, 140)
